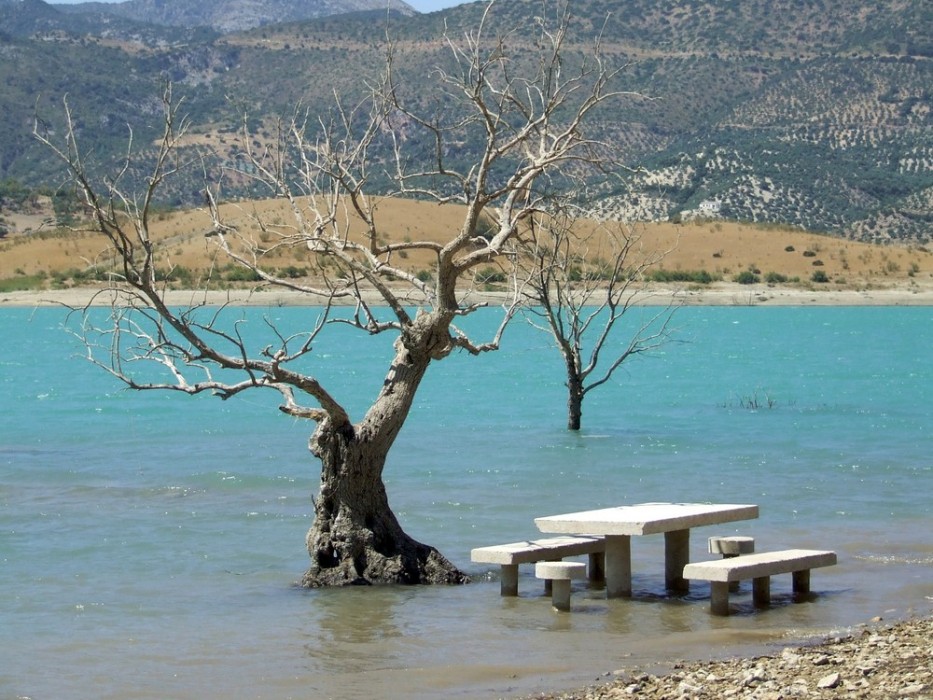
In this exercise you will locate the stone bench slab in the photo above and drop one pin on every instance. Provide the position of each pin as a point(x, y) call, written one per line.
point(509, 556)
point(760, 568)
point(758, 565)
point(531, 551)
point(731, 546)
point(559, 573)
point(559, 570)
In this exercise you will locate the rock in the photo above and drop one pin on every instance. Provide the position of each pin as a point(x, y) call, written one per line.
point(878, 665)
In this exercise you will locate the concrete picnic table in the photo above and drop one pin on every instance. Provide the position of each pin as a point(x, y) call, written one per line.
point(618, 525)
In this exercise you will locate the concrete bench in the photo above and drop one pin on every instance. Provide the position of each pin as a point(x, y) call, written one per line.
point(560, 574)
point(760, 568)
point(509, 556)
point(731, 546)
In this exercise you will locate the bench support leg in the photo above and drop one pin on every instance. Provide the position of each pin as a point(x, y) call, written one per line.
point(676, 557)
point(560, 596)
point(719, 597)
point(802, 581)
point(618, 566)
point(596, 571)
point(761, 591)
point(733, 585)
point(508, 580)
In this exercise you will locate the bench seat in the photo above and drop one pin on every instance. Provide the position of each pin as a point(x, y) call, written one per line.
point(760, 568)
point(560, 574)
point(509, 556)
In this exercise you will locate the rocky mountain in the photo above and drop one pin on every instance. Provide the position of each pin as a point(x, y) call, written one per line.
point(784, 111)
point(227, 16)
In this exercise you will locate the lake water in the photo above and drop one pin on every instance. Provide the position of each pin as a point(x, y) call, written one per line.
point(149, 543)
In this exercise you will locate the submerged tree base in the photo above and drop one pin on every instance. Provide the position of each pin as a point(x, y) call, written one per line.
point(408, 562)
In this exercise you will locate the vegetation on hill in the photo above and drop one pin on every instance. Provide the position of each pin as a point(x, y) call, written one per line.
point(702, 253)
point(781, 111)
point(234, 15)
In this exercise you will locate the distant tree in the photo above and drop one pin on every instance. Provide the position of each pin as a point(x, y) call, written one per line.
point(522, 94)
point(583, 279)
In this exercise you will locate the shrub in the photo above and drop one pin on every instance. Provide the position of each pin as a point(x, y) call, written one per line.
point(790, 249)
point(694, 276)
point(820, 276)
point(490, 275)
point(293, 272)
point(775, 278)
point(747, 277)
point(178, 273)
point(237, 273)
point(22, 283)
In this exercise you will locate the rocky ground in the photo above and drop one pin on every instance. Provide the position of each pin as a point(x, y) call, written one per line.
point(878, 662)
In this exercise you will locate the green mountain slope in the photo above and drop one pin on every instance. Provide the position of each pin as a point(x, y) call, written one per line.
point(233, 15)
point(787, 111)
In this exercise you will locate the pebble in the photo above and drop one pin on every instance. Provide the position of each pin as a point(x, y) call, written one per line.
point(881, 663)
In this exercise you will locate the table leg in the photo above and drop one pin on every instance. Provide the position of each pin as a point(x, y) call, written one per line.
point(676, 557)
point(619, 566)
point(508, 580)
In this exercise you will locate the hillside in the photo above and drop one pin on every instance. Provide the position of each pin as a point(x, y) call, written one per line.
point(777, 258)
point(779, 111)
point(232, 15)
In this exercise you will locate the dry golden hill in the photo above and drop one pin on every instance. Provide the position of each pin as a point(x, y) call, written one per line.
point(49, 259)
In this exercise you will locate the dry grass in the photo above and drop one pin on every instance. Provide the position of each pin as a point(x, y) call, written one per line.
point(719, 248)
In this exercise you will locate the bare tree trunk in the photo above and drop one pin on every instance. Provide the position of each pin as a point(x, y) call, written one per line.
point(356, 538)
point(575, 391)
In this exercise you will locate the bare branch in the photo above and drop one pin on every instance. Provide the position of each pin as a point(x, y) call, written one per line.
point(583, 277)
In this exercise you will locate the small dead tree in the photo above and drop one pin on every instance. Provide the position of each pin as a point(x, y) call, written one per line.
point(512, 93)
point(582, 278)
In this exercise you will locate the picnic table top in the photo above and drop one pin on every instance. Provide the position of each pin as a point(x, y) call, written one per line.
point(645, 518)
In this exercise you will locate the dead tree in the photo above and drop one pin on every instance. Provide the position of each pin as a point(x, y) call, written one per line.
point(582, 278)
point(514, 95)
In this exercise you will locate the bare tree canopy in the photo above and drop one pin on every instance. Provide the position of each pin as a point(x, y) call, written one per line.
point(583, 278)
point(514, 92)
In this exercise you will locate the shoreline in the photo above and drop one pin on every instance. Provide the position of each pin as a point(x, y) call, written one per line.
point(877, 661)
point(720, 294)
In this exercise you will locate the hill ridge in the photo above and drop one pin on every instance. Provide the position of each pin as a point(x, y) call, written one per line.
point(227, 16)
point(781, 111)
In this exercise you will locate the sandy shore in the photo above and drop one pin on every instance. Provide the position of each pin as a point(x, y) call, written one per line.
point(879, 662)
point(722, 294)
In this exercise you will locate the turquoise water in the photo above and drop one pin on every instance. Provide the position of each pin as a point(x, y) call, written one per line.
point(149, 542)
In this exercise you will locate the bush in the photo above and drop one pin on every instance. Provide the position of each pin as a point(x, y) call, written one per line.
point(747, 277)
point(238, 273)
point(775, 278)
point(293, 272)
point(820, 276)
point(179, 273)
point(694, 276)
point(22, 283)
point(490, 275)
